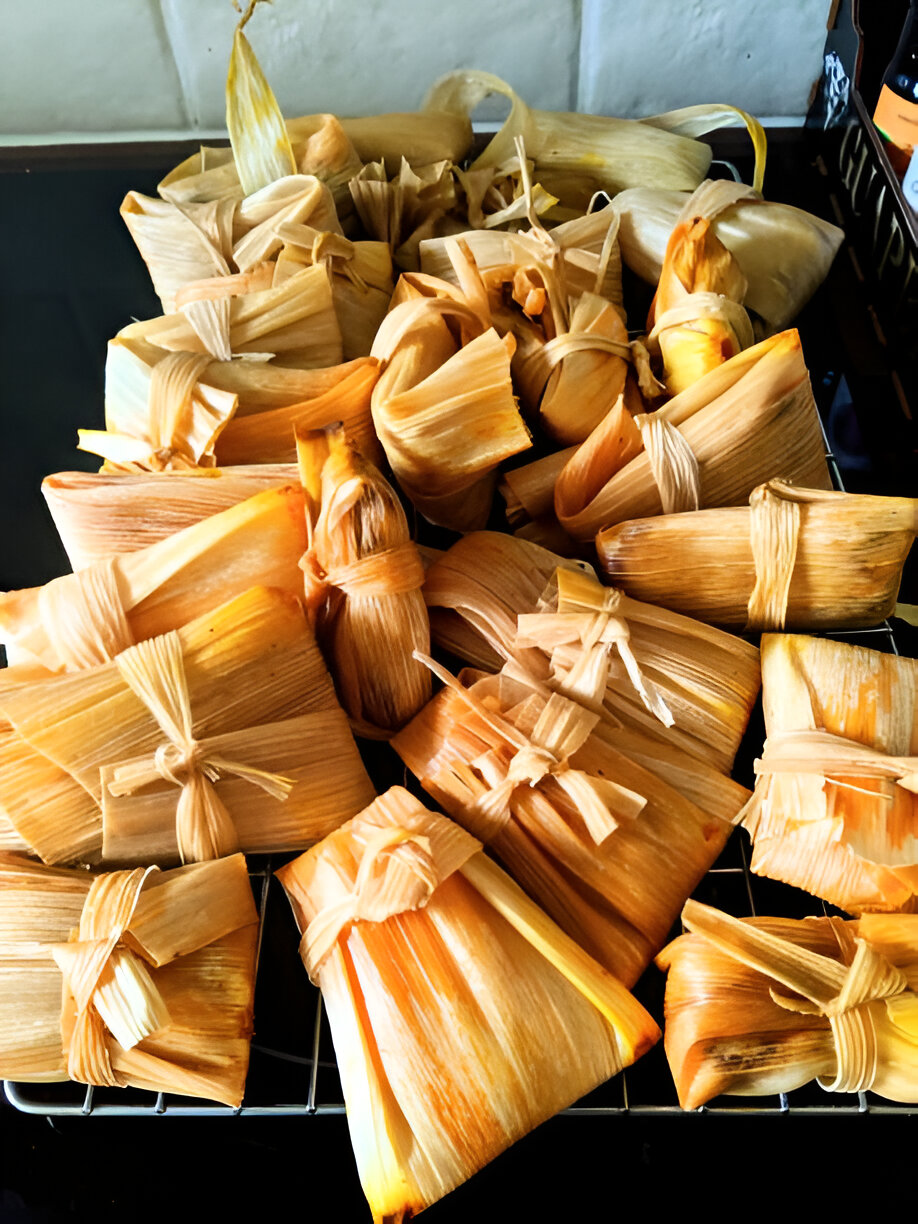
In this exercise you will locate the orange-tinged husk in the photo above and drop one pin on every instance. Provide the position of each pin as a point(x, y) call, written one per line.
point(79, 620)
point(749, 420)
point(363, 585)
point(444, 407)
point(101, 514)
point(835, 807)
point(504, 594)
point(190, 944)
point(795, 558)
point(283, 719)
point(607, 847)
point(462, 1017)
point(757, 1006)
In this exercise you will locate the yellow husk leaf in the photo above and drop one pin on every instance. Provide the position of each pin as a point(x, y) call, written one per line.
point(257, 132)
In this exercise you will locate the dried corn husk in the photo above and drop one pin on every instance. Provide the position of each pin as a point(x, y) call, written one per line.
point(606, 847)
point(142, 979)
point(672, 678)
point(248, 388)
point(462, 1017)
point(697, 320)
point(406, 209)
point(363, 585)
point(794, 558)
point(659, 151)
point(224, 735)
point(746, 421)
point(443, 407)
point(763, 1005)
point(783, 252)
point(836, 798)
point(80, 620)
point(101, 514)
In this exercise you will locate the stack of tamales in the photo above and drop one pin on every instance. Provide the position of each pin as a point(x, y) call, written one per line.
point(462, 1017)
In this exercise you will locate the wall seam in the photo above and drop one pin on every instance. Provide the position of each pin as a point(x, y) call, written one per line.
point(192, 121)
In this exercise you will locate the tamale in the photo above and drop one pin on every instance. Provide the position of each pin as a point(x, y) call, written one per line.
point(604, 845)
point(223, 735)
point(363, 585)
point(461, 1016)
point(79, 620)
point(794, 558)
point(403, 211)
point(783, 252)
point(764, 1005)
point(98, 515)
point(697, 320)
point(135, 978)
point(749, 420)
point(443, 406)
point(613, 153)
point(835, 804)
point(597, 645)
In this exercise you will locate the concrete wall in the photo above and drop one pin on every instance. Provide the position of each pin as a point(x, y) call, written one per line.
point(78, 70)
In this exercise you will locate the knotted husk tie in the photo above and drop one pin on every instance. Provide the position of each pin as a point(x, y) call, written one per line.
point(561, 729)
point(171, 420)
point(823, 752)
point(672, 463)
point(155, 671)
point(774, 530)
point(84, 617)
point(95, 962)
point(591, 615)
point(841, 992)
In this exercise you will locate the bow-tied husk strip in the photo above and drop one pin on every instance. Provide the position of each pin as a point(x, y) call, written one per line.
point(154, 670)
point(841, 992)
point(591, 615)
point(106, 984)
point(562, 727)
point(672, 463)
point(397, 873)
point(822, 752)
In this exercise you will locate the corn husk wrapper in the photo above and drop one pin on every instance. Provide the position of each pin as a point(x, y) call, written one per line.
point(659, 151)
point(795, 558)
point(746, 421)
point(783, 252)
point(836, 796)
point(80, 620)
point(101, 514)
point(403, 211)
point(673, 679)
point(156, 971)
point(605, 846)
point(764, 1005)
point(363, 585)
point(420, 137)
point(462, 1017)
point(697, 321)
point(222, 736)
point(444, 407)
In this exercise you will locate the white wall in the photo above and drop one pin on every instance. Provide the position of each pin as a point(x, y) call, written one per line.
point(78, 70)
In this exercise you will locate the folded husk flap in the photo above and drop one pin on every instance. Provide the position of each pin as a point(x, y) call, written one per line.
point(273, 767)
point(363, 584)
point(444, 1067)
point(746, 421)
point(835, 806)
point(101, 514)
point(188, 948)
point(605, 846)
point(493, 586)
point(757, 1006)
point(79, 620)
point(795, 558)
point(443, 406)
